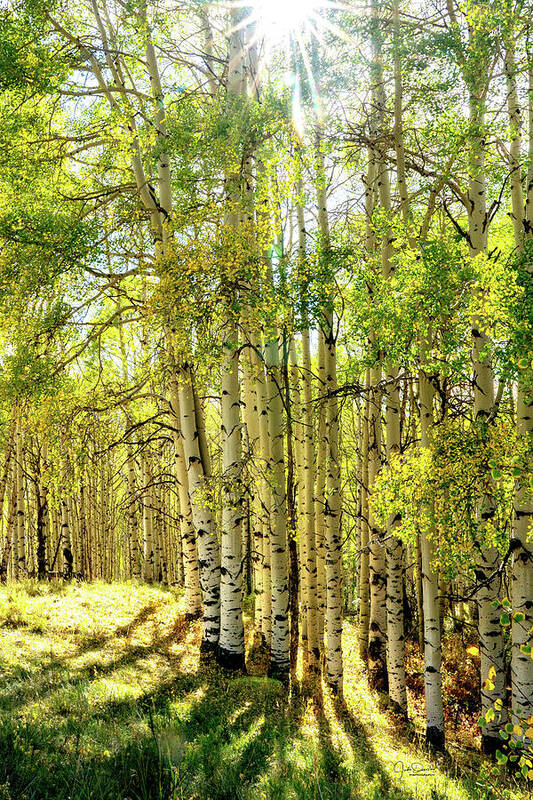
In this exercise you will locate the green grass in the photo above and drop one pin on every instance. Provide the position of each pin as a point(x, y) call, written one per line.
point(103, 695)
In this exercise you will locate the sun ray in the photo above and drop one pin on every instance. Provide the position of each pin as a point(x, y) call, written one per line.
point(280, 24)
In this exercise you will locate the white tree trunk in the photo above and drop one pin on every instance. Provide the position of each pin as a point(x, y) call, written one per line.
point(430, 593)
point(202, 516)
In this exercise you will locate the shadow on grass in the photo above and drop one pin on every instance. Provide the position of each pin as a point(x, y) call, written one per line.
point(197, 734)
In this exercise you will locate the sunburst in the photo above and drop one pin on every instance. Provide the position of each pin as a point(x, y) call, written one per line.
point(286, 25)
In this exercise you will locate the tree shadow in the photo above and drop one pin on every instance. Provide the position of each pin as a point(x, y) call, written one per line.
point(199, 733)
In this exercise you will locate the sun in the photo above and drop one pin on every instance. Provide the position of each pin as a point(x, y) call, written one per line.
point(280, 19)
point(289, 26)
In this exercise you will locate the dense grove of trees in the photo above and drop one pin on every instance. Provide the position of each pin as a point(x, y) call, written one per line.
point(266, 306)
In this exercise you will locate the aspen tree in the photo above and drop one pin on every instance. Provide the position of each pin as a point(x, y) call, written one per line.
point(231, 641)
point(430, 587)
point(252, 449)
point(279, 567)
point(475, 61)
point(265, 489)
point(364, 598)
point(193, 596)
point(148, 518)
point(202, 516)
point(522, 565)
point(206, 539)
point(296, 554)
point(377, 625)
point(20, 521)
point(309, 570)
point(8, 566)
point(320, 491)
point(490, 631)
point(394, 558)
point(4, 484)
point(377, 646)
point(332, 498)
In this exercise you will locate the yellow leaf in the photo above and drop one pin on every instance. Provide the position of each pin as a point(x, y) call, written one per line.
point(473, 650)
point(492, 673)
point(517, 730)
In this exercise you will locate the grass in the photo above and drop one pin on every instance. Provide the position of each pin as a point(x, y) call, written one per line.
point(103, 696)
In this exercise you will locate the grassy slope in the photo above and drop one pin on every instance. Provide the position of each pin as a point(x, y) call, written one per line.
point(102, 696)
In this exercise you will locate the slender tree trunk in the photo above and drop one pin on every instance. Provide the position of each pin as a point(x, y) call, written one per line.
point(522, 567)
point(203, 519)
point(377, 637)
point(364, 596)
point(395, 569)
point(20, 569)
point(193, 594)
point(279, 653)
point(430, 590)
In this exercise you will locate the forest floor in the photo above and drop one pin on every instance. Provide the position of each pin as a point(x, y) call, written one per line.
point(103, 696)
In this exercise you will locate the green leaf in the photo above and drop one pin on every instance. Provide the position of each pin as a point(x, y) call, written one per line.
point(500, 757)
point(504, 619)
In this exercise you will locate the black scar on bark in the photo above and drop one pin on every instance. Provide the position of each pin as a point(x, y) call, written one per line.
point(194, 615)
point(229, 660)
point(279, 672)
point(489, 744)
point(208, 647)
point(335, 689)
point(398, 710)
point(435, 738)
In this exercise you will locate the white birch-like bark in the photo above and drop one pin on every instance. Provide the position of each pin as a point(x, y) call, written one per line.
point(20, 519)
point(312, 662)
point(364, 596)
point(430, 592)
point(491, 645)
point(202, 516)
point(231, 639)
point(522, 565)
point(252, 447)
point(148, 519)
point(193, 594)
point(265, 489)
point(279, 567)
point(395, 570)
point(377, 628)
